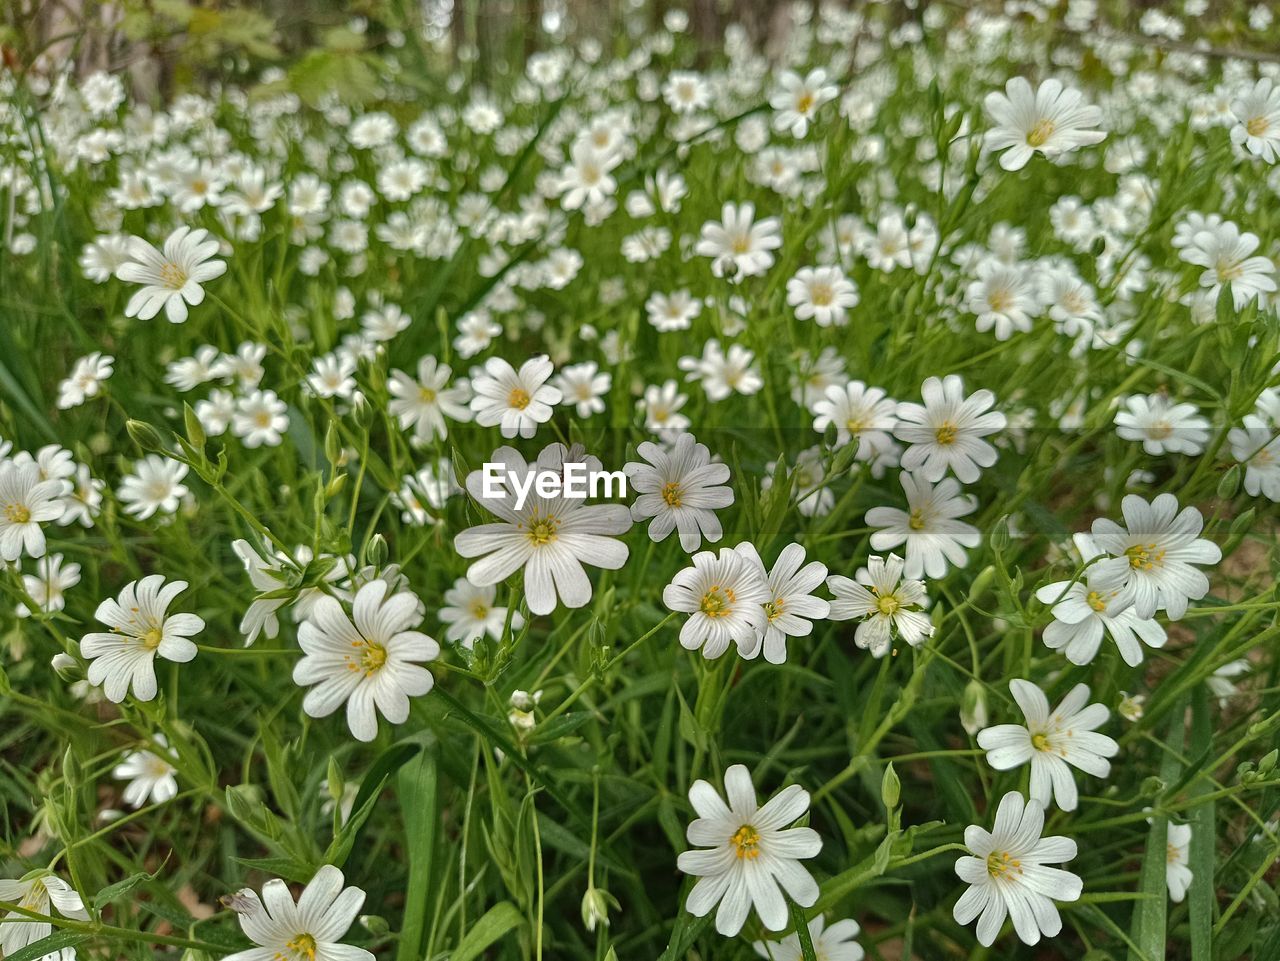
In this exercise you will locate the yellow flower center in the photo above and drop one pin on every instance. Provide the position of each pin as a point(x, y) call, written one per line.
point(152, 638)
point(822, 295)
point(1040, 742)
point(371, 659)
point(1144, 557)
point(302, 946)
point(1095, 601)
point(774, 609)
point(518, 398)
point(916, 520)
point(746, 843)
point(1002, 864)
point(889, 604)
point(1228, 270)
point(1041, 133)
point(805, 103)
point(946, 433)
point(426, 395)
point(1159, 431)
point(741, 244)
point(479, 610)
point(671, 494)
point(1257, 126)
point(17, 513)
point(171, 275)
point(543, 530)
point(854, 426)
point(1171, 853)
point(718, 601)
point(999, 300)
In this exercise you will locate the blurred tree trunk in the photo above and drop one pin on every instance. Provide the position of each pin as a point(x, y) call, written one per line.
point(704, 22)
point(532, 27)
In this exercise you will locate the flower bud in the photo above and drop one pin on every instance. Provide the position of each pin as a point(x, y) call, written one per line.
point(595, 907)
point(973, 707)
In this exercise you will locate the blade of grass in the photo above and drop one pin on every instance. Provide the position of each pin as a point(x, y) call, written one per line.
point(1147, 927)
point(1202, 902)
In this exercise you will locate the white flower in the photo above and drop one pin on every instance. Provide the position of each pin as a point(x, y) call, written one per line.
point(26, 502)
point(149, 775)
point(929, 528)
point(1003, 297)
point(85, 380)
point(266, 576)
point(668, 312)
point(1152, 556)
point(725, 596)
point(1052, 120)
point(517, 400)
point(260, 419)
point(369, 664)
point(823, 294)
point(681, 489)
point(1052, 740)
point(834, 943)
point(882, 600)
point(1161, 425)
point(310, 930)
point(721, 374)
point(549, 537)
point(1082, 613)
point(171, 279)
point(1177, 875)
point(791, 606)
point(797, 99)
point(947, 431)
point(1257, 114)
point(333, 376)
point(1225, 254)
point(47, 585)
point(585, 179)
point(422, 496)
point(738, 245)
point(153, 486)
point(1009, 874)
point(35, 894)
point(661, 406)
point(1257, 446)
point(470, 613)
point(423, 404)
point(583, 386)
point(686, 92)
point(860, 412)
point(745, 855)
point(141, 629)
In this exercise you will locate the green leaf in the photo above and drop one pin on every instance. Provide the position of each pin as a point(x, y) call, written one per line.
point(45, 946)
point(1149, 920)
point(560, 726)
point(417, 785)
point(113, 892)
point(496, 922)
point(1202, 898)
point(287, 868)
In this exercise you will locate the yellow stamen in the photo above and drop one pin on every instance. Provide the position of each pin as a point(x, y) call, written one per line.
point(518, 398)
point(946, 433)
point(746, 842)
point(1002, 864)
point(718, 601)
point(672, 495)
point(1145, 557)
point(173, 276)
point(17, 513)
point(1041, 133)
